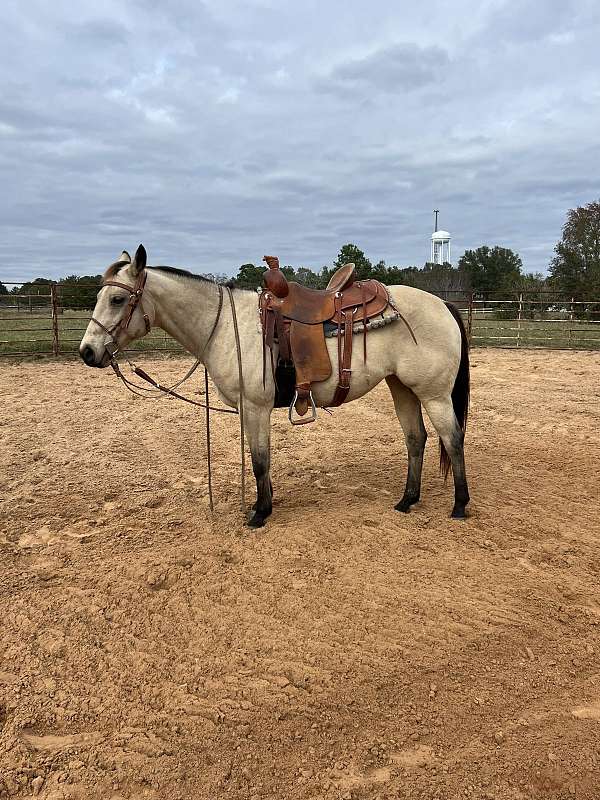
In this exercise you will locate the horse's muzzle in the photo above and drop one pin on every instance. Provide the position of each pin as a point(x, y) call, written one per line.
point(89, 356)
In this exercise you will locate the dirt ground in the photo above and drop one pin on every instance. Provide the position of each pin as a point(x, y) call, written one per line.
point(345, 650)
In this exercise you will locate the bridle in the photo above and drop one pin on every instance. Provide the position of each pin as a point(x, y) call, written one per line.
point(135, 298)
point(113, 348)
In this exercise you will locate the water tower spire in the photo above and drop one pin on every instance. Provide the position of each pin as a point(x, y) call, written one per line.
point(436, 211)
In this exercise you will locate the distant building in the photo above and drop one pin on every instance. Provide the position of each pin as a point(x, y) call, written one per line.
point(440, 245)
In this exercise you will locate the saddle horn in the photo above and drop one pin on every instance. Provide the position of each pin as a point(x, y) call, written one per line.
point(274, 279)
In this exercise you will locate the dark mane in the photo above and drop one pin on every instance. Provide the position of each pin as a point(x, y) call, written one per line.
point(184, 273)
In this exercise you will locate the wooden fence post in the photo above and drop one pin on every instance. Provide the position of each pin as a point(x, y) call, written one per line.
point(54, 304)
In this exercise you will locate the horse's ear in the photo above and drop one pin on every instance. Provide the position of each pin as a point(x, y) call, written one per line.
point(139, 260)
point(124, 257)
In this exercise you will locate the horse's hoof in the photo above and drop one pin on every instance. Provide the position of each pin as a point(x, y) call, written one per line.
point(405, 504)
point(458, 513)
point(256, 521)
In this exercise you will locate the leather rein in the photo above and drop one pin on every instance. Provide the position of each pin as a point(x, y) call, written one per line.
point(113, 348)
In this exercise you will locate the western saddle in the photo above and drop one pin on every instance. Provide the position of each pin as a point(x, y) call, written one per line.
point(295, 317)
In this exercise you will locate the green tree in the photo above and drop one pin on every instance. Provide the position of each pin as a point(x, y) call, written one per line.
point(307, 277)
point(3, 289)
point(380, 271)
point(443, 278)
point(496, 269)
point(401, 276)
point(533, 282)
point(249, 277)
point(575, 268)
point(79, 291)
point(36, 286)
point(352, 253)
point(34, 293)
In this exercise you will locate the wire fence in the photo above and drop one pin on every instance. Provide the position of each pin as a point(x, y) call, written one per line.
point(50, 319)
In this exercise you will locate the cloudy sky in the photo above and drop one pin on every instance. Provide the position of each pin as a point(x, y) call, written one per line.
point(217, 131)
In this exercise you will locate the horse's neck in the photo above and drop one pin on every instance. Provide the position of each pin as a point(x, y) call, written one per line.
point(187, 310)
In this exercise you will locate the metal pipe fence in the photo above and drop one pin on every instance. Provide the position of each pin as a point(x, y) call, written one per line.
point(50, 319)
point(540, 319)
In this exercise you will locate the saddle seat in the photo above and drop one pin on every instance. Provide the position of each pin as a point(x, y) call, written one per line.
point(276, 282)
point(293, 317)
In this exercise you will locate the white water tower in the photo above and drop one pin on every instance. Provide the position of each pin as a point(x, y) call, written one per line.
point(440, 244)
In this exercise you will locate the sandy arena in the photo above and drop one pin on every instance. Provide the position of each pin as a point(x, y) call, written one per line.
point(345, 650)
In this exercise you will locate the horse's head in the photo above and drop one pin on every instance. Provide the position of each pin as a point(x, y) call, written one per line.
point(120, 314)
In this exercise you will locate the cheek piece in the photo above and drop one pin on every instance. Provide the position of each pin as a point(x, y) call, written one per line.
point(135, 298)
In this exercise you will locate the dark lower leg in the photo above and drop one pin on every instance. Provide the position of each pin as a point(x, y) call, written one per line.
point(264, 504)
point(442, 415)
point(272, 495)
point(410, 417)
point(461, 489)
point(415, 443)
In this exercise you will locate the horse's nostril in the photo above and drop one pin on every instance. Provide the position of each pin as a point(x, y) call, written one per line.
point(88, 356)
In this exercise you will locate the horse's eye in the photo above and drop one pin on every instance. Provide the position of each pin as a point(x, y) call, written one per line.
point(117, 300)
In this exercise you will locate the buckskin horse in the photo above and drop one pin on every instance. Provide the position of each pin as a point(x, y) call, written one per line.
point(420, 349)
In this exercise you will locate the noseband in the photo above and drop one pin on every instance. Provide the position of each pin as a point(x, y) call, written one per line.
point(135, 299)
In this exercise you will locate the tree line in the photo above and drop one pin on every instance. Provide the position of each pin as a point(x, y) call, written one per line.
point(76, 291)
point(573, 271)
point(485, 270)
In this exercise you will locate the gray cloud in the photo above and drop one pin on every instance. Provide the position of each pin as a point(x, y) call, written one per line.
point(217, 131)
point(403, 66)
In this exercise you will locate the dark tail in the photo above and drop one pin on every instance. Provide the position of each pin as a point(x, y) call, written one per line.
point(461, 390)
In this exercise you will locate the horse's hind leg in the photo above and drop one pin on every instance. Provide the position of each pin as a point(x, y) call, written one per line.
point(408, 411)
point(441, 414)
point(258, 433)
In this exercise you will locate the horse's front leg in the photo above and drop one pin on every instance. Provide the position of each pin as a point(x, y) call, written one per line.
point(257, 421)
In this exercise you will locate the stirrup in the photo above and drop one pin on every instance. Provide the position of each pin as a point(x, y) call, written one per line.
point(301, 420)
